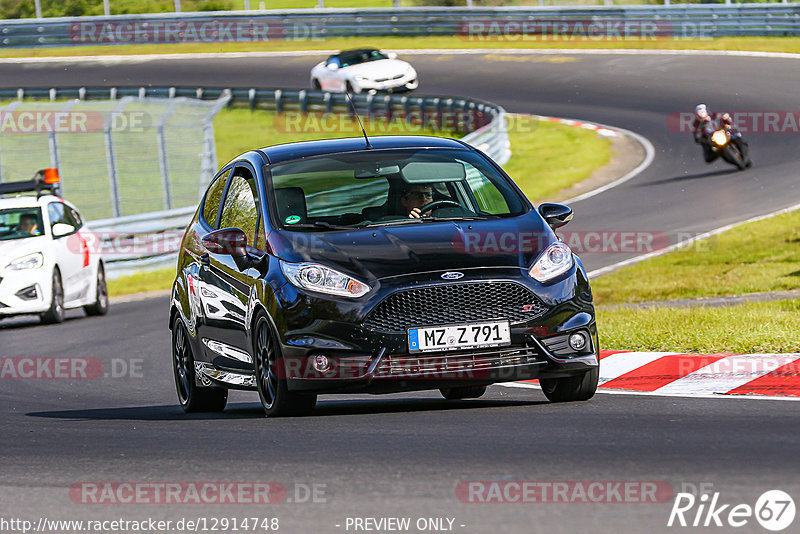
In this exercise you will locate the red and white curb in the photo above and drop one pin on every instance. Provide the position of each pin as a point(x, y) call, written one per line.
point(601, 129)
point(697, 375)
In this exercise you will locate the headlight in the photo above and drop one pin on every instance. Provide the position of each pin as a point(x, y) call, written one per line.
point(554, 261)
point(720, 138)
point(31, 261)
point(319, 278)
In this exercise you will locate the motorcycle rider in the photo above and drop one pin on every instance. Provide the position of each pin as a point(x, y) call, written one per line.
point(703, 119)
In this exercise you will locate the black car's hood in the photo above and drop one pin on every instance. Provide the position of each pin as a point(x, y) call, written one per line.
point(383, 252)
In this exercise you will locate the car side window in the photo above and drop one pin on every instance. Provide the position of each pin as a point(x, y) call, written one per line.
point(213, 198)
point(75, 217)
point(334, 60)
point(57, 214)
point(241, 207)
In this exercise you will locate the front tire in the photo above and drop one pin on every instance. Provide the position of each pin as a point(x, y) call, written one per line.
point(56, 312)
point(465, 392)
point(572, 388)
point(100, 306)
point(276, 399)
point(316, 85)
point(192, 397)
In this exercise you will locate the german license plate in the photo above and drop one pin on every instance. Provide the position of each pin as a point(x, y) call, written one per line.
point(459, 337)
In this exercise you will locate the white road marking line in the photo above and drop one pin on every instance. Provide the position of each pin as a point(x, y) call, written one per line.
point(123, 58)
point(686, 242)
point(528, 385)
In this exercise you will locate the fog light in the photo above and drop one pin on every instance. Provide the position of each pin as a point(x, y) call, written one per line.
point(29, 293)
point(321, 363)
point(577, 341)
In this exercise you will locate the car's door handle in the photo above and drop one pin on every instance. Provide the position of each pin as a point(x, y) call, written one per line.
point(205, 260)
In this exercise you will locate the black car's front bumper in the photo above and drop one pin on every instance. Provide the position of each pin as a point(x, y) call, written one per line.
point(365, 360)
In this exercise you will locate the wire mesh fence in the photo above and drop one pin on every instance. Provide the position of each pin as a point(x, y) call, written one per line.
point(116, 157)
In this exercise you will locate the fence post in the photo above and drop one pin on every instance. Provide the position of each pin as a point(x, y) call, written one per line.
point(55, 156)
point(106, 10)
point(209, 157)
point(38, 7)
point(163, 164)
point(177, 6)
point(111, 156)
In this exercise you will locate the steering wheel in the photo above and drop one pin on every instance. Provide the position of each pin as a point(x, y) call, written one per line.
point(438, 204)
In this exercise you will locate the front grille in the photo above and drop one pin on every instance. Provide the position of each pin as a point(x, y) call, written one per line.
point(474, 363)
point(454, 304)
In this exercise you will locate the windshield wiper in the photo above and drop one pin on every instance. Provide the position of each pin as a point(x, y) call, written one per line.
point(391, 223)
point(461, 218)
point(318, 225)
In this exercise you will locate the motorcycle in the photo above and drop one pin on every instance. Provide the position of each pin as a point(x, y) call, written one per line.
point(726, 143)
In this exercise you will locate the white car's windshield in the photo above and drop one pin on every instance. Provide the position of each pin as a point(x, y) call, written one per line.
point(355, 57)
point(379, 187)
point(20, 223)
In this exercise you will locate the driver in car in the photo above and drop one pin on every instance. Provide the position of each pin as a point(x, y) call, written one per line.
point(28, 224)
point(415, 196)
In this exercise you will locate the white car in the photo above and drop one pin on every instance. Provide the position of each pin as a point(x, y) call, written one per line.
point(366, 69)
point(46, 265)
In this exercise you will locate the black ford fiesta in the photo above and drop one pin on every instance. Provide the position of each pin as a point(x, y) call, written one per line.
point(413, 263)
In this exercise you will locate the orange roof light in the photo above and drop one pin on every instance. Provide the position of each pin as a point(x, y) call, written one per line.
point(51, 176)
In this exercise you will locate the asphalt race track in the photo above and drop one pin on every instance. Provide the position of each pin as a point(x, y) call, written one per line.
point(405, 455)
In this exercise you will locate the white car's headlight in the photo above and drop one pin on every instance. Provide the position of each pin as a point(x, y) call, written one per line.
point(554, 261)
point(30, 261)
point(319, 278)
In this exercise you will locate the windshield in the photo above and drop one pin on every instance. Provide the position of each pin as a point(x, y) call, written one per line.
point(360, 56)
point(390, 187)
point(19, 223)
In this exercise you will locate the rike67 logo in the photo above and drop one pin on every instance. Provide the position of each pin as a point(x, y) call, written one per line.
point(774, 510)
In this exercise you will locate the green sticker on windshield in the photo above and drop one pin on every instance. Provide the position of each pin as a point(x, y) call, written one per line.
point(292, 219)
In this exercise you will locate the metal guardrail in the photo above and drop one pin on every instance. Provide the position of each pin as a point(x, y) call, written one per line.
point(150, 240)
point(695, 20)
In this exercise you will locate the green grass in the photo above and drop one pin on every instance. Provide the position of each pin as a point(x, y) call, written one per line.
point(762, 44)
point(747, 328)
point(141, 282)
point(548, 157)
point(758, 256)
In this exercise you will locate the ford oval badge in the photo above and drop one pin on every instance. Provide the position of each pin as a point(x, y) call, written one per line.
point(452, 275)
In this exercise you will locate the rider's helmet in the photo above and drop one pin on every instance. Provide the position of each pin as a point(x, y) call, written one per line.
point(701, 111)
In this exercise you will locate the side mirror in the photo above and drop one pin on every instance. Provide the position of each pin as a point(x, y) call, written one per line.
point(62, 229)
point(392, 55)
point(555, 215)
point(230, 241)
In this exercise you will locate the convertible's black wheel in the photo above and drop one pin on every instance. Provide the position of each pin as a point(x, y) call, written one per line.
point(100, 305)
point(574, 388)
point(56, 312)
point(316, 85)
point(275, 397)
point(465, 392)
point(192, 397)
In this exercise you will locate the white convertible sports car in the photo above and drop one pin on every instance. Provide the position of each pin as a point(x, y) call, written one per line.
point(46, 265)
point(366, 69)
